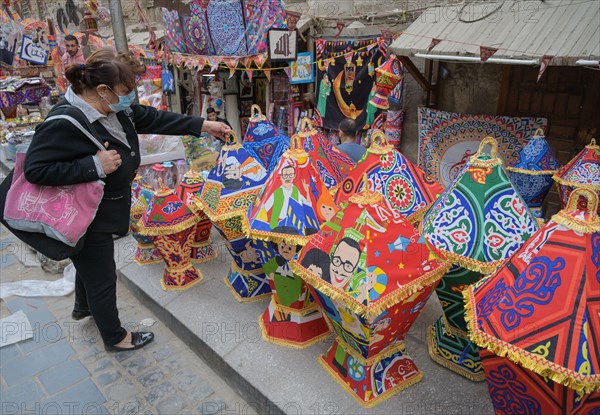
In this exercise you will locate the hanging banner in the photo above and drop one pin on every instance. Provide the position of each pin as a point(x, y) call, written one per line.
point(346, 88)
point(32, 51)
point(302, 69)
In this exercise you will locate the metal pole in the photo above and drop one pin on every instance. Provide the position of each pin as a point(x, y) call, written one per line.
point(118, 24)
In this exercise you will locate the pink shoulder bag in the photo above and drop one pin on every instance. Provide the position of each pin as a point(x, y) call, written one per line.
point(63, 213)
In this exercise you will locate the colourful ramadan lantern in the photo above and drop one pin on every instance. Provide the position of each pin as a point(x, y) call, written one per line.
point(389, 74)
point(146, 252)
point(331, 164)
point(171, 225)
point(284, 215)
point(202, 248)
point(532, 173)
point(537, 318)
point(404, 185)
point(581, 172)
point(264, 141)
point(232, 186)
point(478, 222)
point(372, 273)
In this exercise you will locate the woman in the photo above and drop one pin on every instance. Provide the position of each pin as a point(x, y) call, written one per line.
point(60, 154)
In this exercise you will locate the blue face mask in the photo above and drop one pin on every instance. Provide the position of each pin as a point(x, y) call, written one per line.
point(125, 102)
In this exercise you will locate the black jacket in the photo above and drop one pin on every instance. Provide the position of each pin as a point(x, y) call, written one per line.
point(60, 154)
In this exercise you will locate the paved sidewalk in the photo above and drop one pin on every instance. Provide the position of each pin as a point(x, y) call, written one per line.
point(64, 368)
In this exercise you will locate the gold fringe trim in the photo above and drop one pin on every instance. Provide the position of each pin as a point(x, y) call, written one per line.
point(272, 236)
point(480, 377)
point(287, 343)
point(475, 162)
point(577, 225)
point(156, 261)
point(373, 310)
point(419, 214)
point(294, 311)
point(169, 229)
point(592, 187)
point(532, 172)
point(146, 246)
point(471, 264)
point(377, 400)
point(541, 366)
point(241, 299)
point(185, 287)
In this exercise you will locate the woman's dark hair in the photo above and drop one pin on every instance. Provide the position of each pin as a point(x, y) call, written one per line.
point(105, 66)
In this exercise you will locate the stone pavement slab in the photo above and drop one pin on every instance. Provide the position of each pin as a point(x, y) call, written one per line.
point(64, 368)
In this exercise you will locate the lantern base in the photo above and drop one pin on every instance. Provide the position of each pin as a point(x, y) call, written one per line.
point(147, 254)
point(247, 287)
point(292, 330)
point(180, 278)
point(377, 380)
point(202, 252)
point(454, 352)
point(530, 391)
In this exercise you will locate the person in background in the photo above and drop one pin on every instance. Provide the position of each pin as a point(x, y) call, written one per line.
point(73, 55)
point(348, 143)
point(103, 90)
point(213, 115)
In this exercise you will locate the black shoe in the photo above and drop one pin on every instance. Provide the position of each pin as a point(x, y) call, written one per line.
point(138, 339)
point(80, 314)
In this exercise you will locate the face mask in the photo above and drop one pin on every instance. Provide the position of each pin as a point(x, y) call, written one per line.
point(125, 101)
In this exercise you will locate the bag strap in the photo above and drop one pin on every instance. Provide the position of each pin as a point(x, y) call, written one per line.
point(76, 123)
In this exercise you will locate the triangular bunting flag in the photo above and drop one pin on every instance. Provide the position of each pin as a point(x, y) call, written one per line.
point(259, 60)
point(486, 52)
point(292, 19)
point(433, 44)
point(214, 61)
point(348, 57)
point(267, 73)
point(202, 60)
point(249, 72)
point(544, 65)
point(340, 26)
point(247, 61)
point(288, 72)
point(232, 64)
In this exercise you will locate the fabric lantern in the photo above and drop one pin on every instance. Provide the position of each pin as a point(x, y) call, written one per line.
point(171, 225)
point(393, 127)
point(264, 141)
point(388, 75)
point(581, 172)
point(537, 319)
point(202, 247)
point(230, 188)
point(331, 164)
point(478, 222)
point(371, 272)
point(284, 215)
point(404, 185)
point(146, 252)
point(532, 173)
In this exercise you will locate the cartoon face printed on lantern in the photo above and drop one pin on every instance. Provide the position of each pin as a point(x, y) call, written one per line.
point(344, 261)
point(318, 263)
point(286, 250)
point(288, 174)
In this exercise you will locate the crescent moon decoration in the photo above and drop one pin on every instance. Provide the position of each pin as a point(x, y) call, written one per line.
point(349, 111)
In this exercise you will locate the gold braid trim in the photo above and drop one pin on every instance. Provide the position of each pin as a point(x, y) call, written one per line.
point(241, 299)
point(377, 400)
point(373, 310)
point(541, 366)
point(287, 343)
point(295, 311)
point(577, 225)
point(592, 187)
point(532, 172)
point(169, 229)
point(448, 364)
point(471, 264)
point(475, 162)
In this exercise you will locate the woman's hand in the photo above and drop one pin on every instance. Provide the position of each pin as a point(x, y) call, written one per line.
point(110, 160)
point(216, 129)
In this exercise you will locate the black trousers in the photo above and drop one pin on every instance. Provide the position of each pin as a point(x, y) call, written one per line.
point(96, 285)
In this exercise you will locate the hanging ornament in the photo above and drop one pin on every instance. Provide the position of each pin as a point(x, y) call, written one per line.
point(349, 72)
point(359, 60)
point(371, 66)
point(388, 76)
point(486, 52)
point(544, 65)
point(433, 44)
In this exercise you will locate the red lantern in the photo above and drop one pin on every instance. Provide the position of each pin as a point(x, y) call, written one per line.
point(388, 76)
